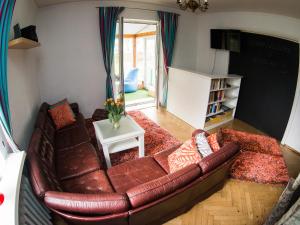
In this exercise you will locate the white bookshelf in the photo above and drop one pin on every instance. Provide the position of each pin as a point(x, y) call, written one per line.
point(200, 99)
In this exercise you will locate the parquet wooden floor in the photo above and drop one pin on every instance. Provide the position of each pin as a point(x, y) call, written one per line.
point(238, 202)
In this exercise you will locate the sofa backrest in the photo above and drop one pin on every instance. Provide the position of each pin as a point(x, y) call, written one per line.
point(155, 189)
point(217, 158)
point(45, 123)
point(44, 107)
point(41, 164)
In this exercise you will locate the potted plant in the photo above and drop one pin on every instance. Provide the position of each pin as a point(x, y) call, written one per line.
point(115, 110)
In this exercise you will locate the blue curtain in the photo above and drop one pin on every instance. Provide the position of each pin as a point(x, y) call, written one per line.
point(108, 17)
point(169, 23)
point(6, 11)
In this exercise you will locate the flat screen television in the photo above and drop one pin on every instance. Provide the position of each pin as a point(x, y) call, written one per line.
point(225, 39)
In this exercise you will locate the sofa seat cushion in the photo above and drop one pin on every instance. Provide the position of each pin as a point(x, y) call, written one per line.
point(215, 159)
point(91, 183)
point(71, 137)
point(155, 189)
point(76, 161)
point(133, 173)
point(162, 158)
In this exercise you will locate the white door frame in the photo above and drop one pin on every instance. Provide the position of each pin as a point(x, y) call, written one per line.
point(158, 41)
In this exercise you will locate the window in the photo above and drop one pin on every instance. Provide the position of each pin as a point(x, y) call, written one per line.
point(128, 55)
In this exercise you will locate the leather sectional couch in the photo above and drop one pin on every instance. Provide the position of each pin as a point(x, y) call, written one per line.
point(67, 177)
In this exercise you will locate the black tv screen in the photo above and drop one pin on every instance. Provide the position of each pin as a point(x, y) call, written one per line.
point(225, 39)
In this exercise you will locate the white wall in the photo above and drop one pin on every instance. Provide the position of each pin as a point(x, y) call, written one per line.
point(273, 25)
point(71, 63)
point(23, 87)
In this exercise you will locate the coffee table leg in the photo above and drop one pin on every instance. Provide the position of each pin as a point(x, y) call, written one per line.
point(141, 146)
point(106, 155)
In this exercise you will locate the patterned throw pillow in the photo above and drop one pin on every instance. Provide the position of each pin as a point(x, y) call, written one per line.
point(213, 142)
point(185, 155)
point(62, 114)
point(202, 145)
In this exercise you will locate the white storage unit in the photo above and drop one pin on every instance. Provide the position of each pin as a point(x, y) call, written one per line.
point(202, 100)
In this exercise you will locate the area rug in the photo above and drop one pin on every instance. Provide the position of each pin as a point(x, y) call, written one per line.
point(260, 160)
point(260, 168)
point(156, 139)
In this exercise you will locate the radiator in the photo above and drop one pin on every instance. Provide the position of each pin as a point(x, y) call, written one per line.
point(31, 211)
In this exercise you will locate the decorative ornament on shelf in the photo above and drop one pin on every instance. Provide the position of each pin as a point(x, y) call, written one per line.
point(115, 110)
point(193, 5)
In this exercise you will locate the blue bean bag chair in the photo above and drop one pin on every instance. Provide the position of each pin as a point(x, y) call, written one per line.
point(131, 81)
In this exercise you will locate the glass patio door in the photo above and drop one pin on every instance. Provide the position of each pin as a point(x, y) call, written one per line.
point(137, 49)
point(118, 60)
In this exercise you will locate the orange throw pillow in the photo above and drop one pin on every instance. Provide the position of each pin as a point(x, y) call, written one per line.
point(185, 155)
point(213, 142)
point(62, 114)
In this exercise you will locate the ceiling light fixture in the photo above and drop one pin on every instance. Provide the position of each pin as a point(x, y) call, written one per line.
point(193, 5)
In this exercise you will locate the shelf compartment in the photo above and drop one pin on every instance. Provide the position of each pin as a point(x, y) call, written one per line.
point(222, 89)
point(22, 43)
point(222, 100)
point(219, 118)
point(215, 113)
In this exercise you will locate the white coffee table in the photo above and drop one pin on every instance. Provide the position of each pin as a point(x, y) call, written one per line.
point(127, 136)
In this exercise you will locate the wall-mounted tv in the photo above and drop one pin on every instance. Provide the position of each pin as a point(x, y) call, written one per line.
point(225, 39)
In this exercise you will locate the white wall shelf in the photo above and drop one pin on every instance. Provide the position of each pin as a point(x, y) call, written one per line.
point(22, 43)
point(200, 99)
point(223, 100)
point(228, 88)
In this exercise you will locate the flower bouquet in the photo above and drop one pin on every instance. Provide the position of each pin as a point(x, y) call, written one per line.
point(115, 110)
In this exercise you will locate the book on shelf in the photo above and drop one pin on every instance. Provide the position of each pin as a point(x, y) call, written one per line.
point(214, 108)
point(217, 96)
point(217, 84)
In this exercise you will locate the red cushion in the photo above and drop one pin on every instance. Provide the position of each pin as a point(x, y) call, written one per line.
point(162, 158)
point(62, 114)
point(213, 142)
point(185, 155)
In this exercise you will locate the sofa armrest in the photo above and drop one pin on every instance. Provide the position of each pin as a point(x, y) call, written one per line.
point(102, 203)
point(75, 107)
point(215, 159)
point(155, 189)
point(100, 114)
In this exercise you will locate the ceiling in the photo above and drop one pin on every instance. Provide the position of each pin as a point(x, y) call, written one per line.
point(284, 7)
point(136, 28)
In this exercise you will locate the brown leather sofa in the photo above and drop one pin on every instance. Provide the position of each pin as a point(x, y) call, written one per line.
point(67, 177)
